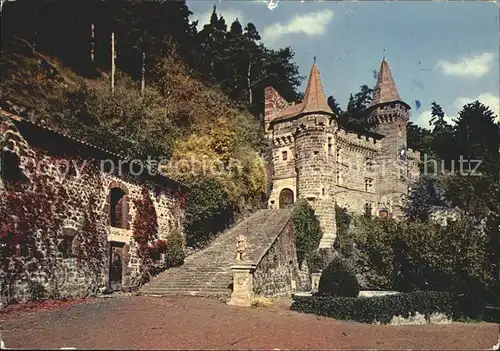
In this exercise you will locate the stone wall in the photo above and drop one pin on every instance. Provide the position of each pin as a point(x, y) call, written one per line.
point(278, 271)
point(57, 270)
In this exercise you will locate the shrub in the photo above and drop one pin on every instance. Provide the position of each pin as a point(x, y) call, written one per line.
point(208, 211)
point(320, 259)
point(36, 291)
point(378, 308)
point(307, 228)
point(338, 279)
point(174, 253)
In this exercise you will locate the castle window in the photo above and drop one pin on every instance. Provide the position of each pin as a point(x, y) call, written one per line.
point(329, 149)
point(339, 155)
point(368, 209)
point(10, 169)
point(117, 206)
point(323, 192)
point(284, 155)
point(339, 178)
point(369, 185)
point(66, 244)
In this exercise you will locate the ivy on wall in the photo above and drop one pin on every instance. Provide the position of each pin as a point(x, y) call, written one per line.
point(145, 235)
point(308, 230)
point(33, 211)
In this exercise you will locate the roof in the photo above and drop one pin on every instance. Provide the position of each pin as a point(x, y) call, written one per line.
point(315, 99)
point(18, 120)
point(385, 90)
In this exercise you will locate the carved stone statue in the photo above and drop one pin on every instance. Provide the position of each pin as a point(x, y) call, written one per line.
point(241, 246)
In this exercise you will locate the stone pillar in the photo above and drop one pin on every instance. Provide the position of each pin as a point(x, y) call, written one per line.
point(315, 167)
point(242, 284)
point(315, 281)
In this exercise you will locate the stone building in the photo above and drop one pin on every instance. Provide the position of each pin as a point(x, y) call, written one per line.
point(314, 157)
point(30, 153)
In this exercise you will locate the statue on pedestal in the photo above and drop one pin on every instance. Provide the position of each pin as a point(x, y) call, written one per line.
point(241, 246)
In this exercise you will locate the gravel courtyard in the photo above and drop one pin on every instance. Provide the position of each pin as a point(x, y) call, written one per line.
point(137, 322)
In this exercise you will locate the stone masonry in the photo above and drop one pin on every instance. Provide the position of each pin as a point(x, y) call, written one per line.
point(116, 194)
point(316, 159)
point(270, 248)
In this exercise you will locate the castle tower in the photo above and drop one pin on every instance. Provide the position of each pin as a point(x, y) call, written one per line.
point(390, 115)
point(314, 169)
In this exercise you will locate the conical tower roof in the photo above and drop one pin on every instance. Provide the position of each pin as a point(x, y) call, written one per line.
point(385, 90)
point(315, 99)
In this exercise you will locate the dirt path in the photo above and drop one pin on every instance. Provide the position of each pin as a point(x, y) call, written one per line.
point(193, 323)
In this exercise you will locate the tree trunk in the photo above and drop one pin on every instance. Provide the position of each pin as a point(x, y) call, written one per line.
point(250, 97)
point(112, 62)
point(143, 79)
point(92, 38)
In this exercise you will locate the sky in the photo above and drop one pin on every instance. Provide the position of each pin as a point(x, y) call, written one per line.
point(446, 52)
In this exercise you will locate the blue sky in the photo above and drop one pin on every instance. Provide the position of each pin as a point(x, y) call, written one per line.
point(446, 52)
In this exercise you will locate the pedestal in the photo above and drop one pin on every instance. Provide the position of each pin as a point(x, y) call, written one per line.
point(242, 284)
point(315, 281)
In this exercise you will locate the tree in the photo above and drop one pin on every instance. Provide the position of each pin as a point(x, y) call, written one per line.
point(354, 118)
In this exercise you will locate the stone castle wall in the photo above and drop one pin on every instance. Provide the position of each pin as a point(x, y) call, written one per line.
point(358, 172)
point(67, 277)
point(278, 272)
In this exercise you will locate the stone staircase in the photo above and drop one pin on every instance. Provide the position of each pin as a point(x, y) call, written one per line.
point(207, 272)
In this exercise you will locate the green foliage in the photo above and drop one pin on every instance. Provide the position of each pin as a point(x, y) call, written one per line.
point(376, 309)
point(344, 242)
point(174, 254)
point(36, 291)
point(320, 259)
point(208, 212)
point(355, 116)
point(416, 255)
point(307, 229)
point(338, 279)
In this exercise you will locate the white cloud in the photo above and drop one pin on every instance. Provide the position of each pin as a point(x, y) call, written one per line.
point(487, 99)
point(476, 65)
point(422, 120)
point(310, 24)
point(229, 16)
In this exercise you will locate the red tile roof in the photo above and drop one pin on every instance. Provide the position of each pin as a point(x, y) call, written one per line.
point(385, 90)
point(315, 99)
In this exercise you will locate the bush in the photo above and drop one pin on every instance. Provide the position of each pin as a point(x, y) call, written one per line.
point(378, 308)
point(338, 279)
point(208, 212)
point(174, 253)
point(36, 291)
point(307, 228)
point(320, 259)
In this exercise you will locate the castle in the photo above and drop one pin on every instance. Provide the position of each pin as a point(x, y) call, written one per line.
point(313, 157)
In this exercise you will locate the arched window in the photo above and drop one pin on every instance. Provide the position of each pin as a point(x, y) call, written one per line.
point(118, 208)
point(286, 198)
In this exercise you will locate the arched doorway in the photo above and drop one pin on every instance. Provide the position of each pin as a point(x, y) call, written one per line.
point(286, 198)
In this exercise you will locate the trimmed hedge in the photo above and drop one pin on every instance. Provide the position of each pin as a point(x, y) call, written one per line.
point(376, 309)
point(338, 279)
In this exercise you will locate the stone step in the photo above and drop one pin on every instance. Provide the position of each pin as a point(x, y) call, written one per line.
point(224, 285)
point(172, 291)
point(188, 293)
point(208, 271)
